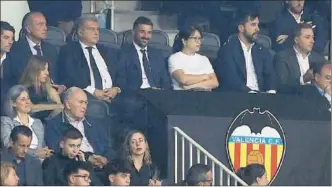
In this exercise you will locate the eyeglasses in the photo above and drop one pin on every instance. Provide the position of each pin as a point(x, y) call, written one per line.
point(85, 177)
point(197, 39)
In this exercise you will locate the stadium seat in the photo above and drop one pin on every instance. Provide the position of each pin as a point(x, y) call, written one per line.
point(210, 46)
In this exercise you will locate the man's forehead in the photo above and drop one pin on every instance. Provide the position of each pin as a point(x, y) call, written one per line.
point(7, 33)
point(307, 31)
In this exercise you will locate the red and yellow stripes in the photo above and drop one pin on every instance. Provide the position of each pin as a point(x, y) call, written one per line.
point(272, 155)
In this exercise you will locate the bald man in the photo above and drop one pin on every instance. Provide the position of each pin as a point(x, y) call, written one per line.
point(320, 91)
point(96, 132)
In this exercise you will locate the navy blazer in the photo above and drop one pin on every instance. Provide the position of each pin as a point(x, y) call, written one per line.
point(97, 132)
point(19, 55)
point(288, 69)
point(75, 70)
point(33, 167)
point(285, 24)
point(311, 93)
point(230, 67)
point(133, 72)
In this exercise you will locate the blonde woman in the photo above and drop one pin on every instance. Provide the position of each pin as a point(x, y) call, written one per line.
point(137, 156)
point(8, 174)
point(36, 80)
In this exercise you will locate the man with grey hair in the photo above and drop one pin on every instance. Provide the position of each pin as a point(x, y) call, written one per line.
point(199, 175)
point(96, 132)
point(89, 65)
point(34, 31)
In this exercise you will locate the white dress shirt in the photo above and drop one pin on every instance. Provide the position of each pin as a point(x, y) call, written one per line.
point(85, 146)
point(145, 80)
point(303, 64)
point(251, 74)
point(3, 58)
point(102, 67)
point(32, 45)
point(297, 19)
point(34, 142)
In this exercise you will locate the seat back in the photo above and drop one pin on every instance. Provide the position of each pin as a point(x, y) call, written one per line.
point(107, 38)
point(158, 38)
point(210, 46)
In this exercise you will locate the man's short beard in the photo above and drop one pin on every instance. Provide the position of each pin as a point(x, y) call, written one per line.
point(250, 38)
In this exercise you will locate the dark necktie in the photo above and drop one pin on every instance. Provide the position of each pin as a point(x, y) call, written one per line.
point(96, 74)
point(38, 49)
point(147, 69)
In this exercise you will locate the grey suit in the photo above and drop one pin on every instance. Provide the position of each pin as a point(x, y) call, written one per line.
point(288, 69)
point(32, 166)
point(8, 124)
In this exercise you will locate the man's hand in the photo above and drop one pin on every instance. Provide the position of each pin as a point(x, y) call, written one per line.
point(44, 153)
point(281, 39)
point(308, 76)
point(100, 94)
point(98, 161)
point(111, 92)
point(81, 156)
point(59, 88)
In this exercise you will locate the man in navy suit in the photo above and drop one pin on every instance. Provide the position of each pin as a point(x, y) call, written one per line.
point(285, 23)
point(244, 65)
point(145, 66)
point(96, 132)
point(34, 31)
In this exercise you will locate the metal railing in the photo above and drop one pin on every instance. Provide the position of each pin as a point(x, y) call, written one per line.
point(226, 176)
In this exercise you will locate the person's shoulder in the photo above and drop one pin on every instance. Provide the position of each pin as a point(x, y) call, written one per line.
point(56, 119)
point(32, 159)
point(176, 56)
point(5, 119)
point(317, 56)
point(285, 53)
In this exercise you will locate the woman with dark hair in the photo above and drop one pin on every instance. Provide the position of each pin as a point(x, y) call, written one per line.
point(136, 154)
point(189, 69)
point(253, 175)
point(36, 80)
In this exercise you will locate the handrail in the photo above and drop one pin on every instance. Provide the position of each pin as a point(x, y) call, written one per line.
point(207, 154)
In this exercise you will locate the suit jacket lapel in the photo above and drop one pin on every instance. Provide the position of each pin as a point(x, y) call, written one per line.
point(29, 177)
point(239, 58)
point(79, 57)
point(294, 63)
point(153, 58)
point(135, 59)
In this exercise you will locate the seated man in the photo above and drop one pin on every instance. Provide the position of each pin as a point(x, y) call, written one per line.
point(35, 29)
point(118, 173)
point(199, 175)
point(95, 66)
point(145, 66)
point(294, 65)
point(28, 168)
point(7, 39)
point(96, 132)
point(282, 31)
point(53, 166)
point(320, 91)
point(244, 65)
point(78, 173)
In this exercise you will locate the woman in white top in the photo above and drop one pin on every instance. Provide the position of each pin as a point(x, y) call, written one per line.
point(189, 69)
point(17, 108)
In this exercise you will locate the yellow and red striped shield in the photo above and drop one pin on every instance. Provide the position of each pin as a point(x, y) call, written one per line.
point(265, 145)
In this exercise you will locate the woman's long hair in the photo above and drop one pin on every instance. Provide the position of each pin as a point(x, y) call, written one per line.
point(184, 34)
point(30, 76)
point(126, 152)
point(250, 173)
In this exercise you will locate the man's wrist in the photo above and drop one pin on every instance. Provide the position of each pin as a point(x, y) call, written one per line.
point(118, 89)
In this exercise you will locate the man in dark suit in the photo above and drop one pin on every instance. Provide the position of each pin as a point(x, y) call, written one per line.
point(285, 23)
point(35, 31)
point(320, 91)
point(294, 65)
point(7, 39)
point(244, 65)
point(28, 168)
point(90, 66)
point(145, 66)
point(96, 132)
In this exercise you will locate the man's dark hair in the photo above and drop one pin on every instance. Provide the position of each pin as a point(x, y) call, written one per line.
point(299, 27)
point(5, 26)
point(244, 15)
point(317, 67)
point(20, 130)
point(196, 174)
point(117, 166)
point(142, 21)
point(72, 133)
point(74, 166)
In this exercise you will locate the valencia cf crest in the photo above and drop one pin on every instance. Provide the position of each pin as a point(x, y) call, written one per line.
point(256, 137)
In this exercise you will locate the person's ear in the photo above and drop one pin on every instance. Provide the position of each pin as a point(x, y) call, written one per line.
point(316, 77)
point(296, 40)
point(11, 143)
point(184, 42)
point(240, 27)
point(62, 143)
point(111, 178)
